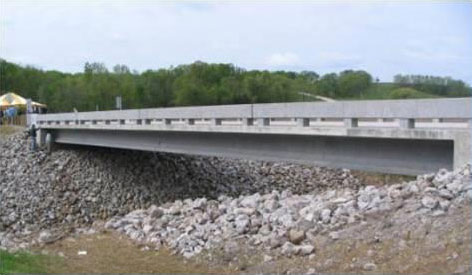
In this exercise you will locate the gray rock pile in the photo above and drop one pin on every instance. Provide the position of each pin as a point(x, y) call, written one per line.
point(284, 222)
point(74, 186)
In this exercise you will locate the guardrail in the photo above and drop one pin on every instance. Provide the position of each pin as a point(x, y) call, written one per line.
point(456, 112)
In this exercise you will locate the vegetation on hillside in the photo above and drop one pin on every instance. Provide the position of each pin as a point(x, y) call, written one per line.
point(201, 83)
point(403, 93)
point(439, 86)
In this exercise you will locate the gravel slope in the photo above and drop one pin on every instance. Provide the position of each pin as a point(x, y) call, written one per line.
point(252, 216)
point(75, 186)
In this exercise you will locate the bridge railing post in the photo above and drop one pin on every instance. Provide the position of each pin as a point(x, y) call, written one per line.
point(215, 121)
point(407, 123)
point(351, 122)
point(261, 122)
point(248, 121)
point(303, 122)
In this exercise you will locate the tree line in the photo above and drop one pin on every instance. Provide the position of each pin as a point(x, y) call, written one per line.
point(198, 83)
point(440, 86)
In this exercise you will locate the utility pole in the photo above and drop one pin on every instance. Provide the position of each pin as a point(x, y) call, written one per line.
point(119, 103)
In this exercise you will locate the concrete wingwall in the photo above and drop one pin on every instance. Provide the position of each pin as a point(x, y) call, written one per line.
point(386, 155)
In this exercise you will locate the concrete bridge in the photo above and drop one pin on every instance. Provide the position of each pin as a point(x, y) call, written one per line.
point(391, 136)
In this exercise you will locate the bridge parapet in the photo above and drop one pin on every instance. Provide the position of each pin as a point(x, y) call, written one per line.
point(451, 113)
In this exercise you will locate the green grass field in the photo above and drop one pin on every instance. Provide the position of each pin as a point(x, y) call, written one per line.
point(24, 262)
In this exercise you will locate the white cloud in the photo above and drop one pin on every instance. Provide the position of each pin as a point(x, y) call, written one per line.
point(283, 59)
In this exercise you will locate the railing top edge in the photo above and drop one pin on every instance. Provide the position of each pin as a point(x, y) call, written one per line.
point(414, 108)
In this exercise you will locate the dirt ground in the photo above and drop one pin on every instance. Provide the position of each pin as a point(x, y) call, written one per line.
point(7, 130)
point(379, 179)
point(111, 253)
point(442, 245)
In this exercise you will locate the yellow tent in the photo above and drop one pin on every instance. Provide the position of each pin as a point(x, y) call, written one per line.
point(12, 99)
point(3, 102)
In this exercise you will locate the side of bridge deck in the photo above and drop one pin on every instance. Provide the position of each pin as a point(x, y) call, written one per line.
point(394, 136)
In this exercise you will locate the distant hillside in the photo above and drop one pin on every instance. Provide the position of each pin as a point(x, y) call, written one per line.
point(203, 83)
point(392, 91)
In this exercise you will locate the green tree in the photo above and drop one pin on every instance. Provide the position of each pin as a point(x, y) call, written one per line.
point(353, 83)
point(328, 85)
point(200, 83)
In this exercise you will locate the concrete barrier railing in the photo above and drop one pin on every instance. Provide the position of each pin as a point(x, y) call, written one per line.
point(397, 113)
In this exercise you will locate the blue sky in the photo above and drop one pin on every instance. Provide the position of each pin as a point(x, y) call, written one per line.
point(384, 38)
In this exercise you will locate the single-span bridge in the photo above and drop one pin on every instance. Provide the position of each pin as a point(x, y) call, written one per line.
point(390, 136)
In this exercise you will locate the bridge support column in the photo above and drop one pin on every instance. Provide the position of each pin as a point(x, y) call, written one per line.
point(303, 122)
point(41, 137)
point(48, 143)
point(167, 121)
point(261, 122)
point(407, 123)
point(351, 122)
point(462, 150)
point(191, 121)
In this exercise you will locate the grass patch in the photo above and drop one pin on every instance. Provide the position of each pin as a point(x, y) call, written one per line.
point(24, 262)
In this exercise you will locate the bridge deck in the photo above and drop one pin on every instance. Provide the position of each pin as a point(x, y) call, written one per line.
point(350, 134)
